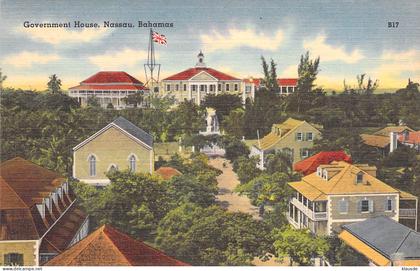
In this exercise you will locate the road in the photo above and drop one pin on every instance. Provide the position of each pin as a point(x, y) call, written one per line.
point(227, 182)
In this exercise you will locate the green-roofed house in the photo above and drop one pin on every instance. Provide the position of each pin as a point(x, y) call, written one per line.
point(293, 137)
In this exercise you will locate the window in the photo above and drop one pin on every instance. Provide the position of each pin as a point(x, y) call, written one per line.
point(359, 177)
point(304, 153)
point(92, 165)
point(194, 87)
point(299, 136)
point(388, 205)
point(290, 89)
point(132, 160)
point(219, 87)
point(310, 205)
point(309, 136)
point(300, 197)
point(176, 87)
point(168, 87)
point(305, 201)
point(364, 206)
point(212, 88)
point(13, 259)
point(247, 89)
point(236, 87)
point(185, 87)
point(343, 206)
point(227, 87)
point(320, 206)
point(319, 171)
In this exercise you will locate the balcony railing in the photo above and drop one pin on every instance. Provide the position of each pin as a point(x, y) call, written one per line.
point(408, 213)
point(315, 216)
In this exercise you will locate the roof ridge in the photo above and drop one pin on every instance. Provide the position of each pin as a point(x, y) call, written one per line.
point(340, 175)
point(8, 185)
point(107, 227)
point(96, 232)
point(402, 242)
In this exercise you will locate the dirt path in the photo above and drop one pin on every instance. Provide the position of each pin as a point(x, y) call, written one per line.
point(227, 182)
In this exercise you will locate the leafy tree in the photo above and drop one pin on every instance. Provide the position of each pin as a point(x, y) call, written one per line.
point(234, 123)
point(267, 189)
point(342, 255)
point(246, 168)
point(134, 203)
point(403, 156)
point(134, 99)
point(362, 87)
point(93, 102)
point(54, 85)
point(270, 75)
point(223, 104)
point(212, 236)
point(234, 148)
point(188, 119)
point(188, 188)
point(280, 162)
point(299, 245)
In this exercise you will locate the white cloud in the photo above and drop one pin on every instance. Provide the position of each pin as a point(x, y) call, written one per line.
point(26, 59)
point(119, 59)
point(394, 64)
point(57, 36)
point(289, 72)
point(235, 38)
point(327, 52)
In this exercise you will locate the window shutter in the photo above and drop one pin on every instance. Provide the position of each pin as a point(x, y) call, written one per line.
point(296, 136)
point(386, 205)
point(370, 206)
point(359, 206)
point(393, 204)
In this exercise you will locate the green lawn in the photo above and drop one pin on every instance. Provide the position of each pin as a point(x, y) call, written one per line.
point(166, 150)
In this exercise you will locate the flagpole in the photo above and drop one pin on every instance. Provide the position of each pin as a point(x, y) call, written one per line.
point(150, 65)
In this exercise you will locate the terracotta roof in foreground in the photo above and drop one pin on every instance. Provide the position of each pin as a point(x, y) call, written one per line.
point(109, 247)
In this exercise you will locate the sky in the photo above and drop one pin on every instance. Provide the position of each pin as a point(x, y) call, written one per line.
point(350, 37)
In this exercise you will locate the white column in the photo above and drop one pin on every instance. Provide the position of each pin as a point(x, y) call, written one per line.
point(199, 95)
point(189, 92)
point(217, 88)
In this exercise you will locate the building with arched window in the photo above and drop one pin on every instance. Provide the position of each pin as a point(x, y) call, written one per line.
point(118, 146)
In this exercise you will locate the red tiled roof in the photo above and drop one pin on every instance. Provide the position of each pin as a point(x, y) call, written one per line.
point(28, 181)
point(107, 246)
point(168, 172)
point(110, 81)
point(309, 165)
point(280, 81)
point(412, 138)
point(24, 184)
point(108, 87)
point(188, 74)
point(59, 237)
point(111, 77)
point(287, 81)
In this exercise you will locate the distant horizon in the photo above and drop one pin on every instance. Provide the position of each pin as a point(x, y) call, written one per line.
point(42, 38)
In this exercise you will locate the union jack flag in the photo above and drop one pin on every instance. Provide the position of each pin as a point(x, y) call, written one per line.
point(159, 38)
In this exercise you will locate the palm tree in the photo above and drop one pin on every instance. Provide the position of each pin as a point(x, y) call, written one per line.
point(2, 79)
point(54, 85)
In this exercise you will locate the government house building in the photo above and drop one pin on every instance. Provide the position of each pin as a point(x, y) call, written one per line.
point(196, 83)
point(108, 87)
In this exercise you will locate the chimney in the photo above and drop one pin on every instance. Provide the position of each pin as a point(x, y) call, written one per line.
point(393, 141)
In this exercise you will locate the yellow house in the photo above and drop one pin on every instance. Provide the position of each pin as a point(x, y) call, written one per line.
point(294, 137)
point(118, 146)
